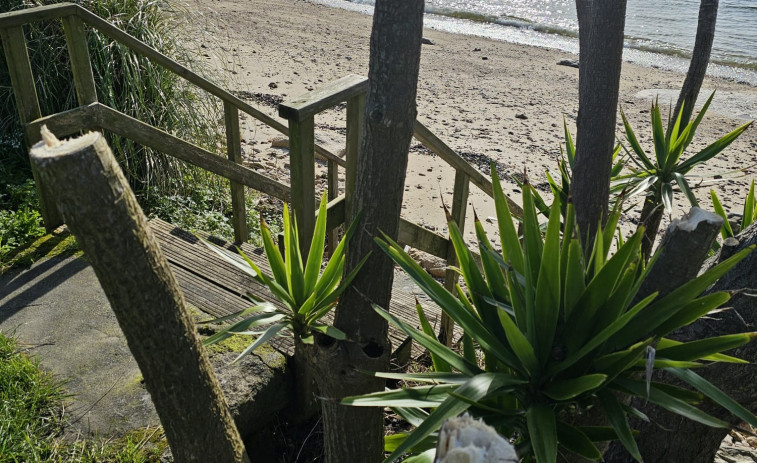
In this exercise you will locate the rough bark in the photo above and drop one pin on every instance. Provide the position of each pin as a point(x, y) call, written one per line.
point(356, 434)
point(98, 206)
point(601, 24)
point(700, 58)
point(682, 251)
point(672, 438)
point(651, 216)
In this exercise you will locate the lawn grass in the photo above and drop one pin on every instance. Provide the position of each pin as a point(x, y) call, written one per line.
point(31, 420)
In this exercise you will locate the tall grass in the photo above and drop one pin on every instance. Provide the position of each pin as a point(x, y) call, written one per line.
point(125, 81)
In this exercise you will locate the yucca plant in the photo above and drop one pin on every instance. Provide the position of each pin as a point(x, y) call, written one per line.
point(557, 333)
point(565, 164)
point(306, 293)
point(655, 178)
point(748, 214)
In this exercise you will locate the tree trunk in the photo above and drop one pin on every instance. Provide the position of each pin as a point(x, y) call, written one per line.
point(672, 438)
point(700, 58)
point(651, 216)
point(96, 202)
point(601, 24)
point(356, 434)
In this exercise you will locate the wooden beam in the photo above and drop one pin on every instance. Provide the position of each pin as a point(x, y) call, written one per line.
point(40, 13)
point(81, 67)
point(335, 213)
point(324, 97)
point(302, 179)
point(20, 70)
point(66, 123)
point(420, 238)
point(355, 116)
point(333, 191)
point(459, 207)
point(27, 104)
point(145, 134)
point(234, 149)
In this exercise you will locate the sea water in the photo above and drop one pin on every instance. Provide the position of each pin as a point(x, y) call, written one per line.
point(659, 33)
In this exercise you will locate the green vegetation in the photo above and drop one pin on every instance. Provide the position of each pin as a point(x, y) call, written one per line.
point(307, 292)
point(20, 221)
point(166, 188)
point(559, 333)
point(748, 214)
point(30, 420)
point(655, 178)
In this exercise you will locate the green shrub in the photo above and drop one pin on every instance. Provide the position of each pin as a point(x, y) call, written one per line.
point(558, 333)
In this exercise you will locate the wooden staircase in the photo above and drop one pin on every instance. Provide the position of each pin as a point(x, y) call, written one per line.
point(208, 283)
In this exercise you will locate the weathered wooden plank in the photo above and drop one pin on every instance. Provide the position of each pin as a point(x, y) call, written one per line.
point(66, 123)
point(302, 178)
point(81, 67)
point(234, 149)
point(355, 115)
point(422, 239)
point(335, 212)
point(459, 207)
point(20, 70)
point(27, 104)
point(324, 97)
point(333, 192)
point(145, 134)
point(40, 13)
point(153, 55)
point(435, 144)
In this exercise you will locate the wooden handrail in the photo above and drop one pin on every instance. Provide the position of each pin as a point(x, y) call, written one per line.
point(323, 98)
point(21, 17)
point(39, 13)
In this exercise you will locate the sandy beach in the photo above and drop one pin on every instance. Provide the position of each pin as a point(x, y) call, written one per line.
point(486, 99)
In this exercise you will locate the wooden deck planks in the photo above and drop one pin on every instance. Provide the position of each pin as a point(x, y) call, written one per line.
point(217, 287)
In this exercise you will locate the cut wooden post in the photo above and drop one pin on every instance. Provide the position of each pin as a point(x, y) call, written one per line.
point(234, 148)
point(684, 247)
point(333, 192)
point(459, 206)
point(27, 104)
point(355, 115)
point(81, 67)
point(102, 212)
point(302, 176)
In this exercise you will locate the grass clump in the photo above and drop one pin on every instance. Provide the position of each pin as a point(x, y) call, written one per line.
point(31, 420)
point(29, 406)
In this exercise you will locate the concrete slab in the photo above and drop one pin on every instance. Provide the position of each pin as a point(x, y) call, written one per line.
point(57, 309)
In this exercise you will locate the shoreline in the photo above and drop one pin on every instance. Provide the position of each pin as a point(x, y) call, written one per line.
point(485, 98)
point(546, 37)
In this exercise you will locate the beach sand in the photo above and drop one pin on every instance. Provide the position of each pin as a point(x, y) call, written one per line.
point(486, 99)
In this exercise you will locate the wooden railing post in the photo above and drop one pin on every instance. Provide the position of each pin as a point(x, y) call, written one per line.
point(332, 179)
point(81, 67)
point(459, 206)
point(302, 177)
point(234, 149)
point(27, 103)
point(355, 115)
